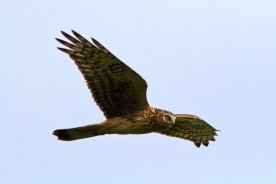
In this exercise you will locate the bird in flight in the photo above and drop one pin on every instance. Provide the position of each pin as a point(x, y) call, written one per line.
point(120, 93)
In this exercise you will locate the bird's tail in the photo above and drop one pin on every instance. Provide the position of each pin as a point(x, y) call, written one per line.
point(116, 125)
point(78, 132)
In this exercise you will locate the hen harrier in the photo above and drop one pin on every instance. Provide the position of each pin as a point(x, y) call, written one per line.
point(120, 93)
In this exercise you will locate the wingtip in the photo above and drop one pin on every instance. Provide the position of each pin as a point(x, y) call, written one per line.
point(197, 144)
point(62, 49)
point(65, 34)
point(212, 138)
point(59, 40)
point(74, 32)
point(78, 35)
point(205, 143)
point(94, 41)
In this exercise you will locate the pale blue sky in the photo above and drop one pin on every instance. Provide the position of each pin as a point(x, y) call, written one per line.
point(214, 59)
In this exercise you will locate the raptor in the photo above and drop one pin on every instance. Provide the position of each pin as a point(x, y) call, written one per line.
point(120, 93)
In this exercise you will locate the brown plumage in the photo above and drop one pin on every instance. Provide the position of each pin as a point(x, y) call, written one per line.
point(120, 93)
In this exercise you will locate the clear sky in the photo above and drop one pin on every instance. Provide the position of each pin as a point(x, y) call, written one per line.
point(213, 59)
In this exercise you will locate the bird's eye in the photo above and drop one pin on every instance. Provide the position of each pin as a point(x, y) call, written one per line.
point(168, 118)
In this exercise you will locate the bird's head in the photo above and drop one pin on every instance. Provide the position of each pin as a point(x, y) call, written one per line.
point(169, 118)
point(166, 117)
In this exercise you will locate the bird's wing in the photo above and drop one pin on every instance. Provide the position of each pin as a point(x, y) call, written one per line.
point(117, 89)
point(191, 128)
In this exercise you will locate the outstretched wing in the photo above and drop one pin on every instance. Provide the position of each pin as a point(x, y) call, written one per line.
point(117, 89)
point(191, 128)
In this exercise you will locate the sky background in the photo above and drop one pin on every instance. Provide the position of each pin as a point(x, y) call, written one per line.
point(213, 59)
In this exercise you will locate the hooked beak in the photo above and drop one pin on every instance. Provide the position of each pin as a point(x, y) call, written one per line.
point(173, 120)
